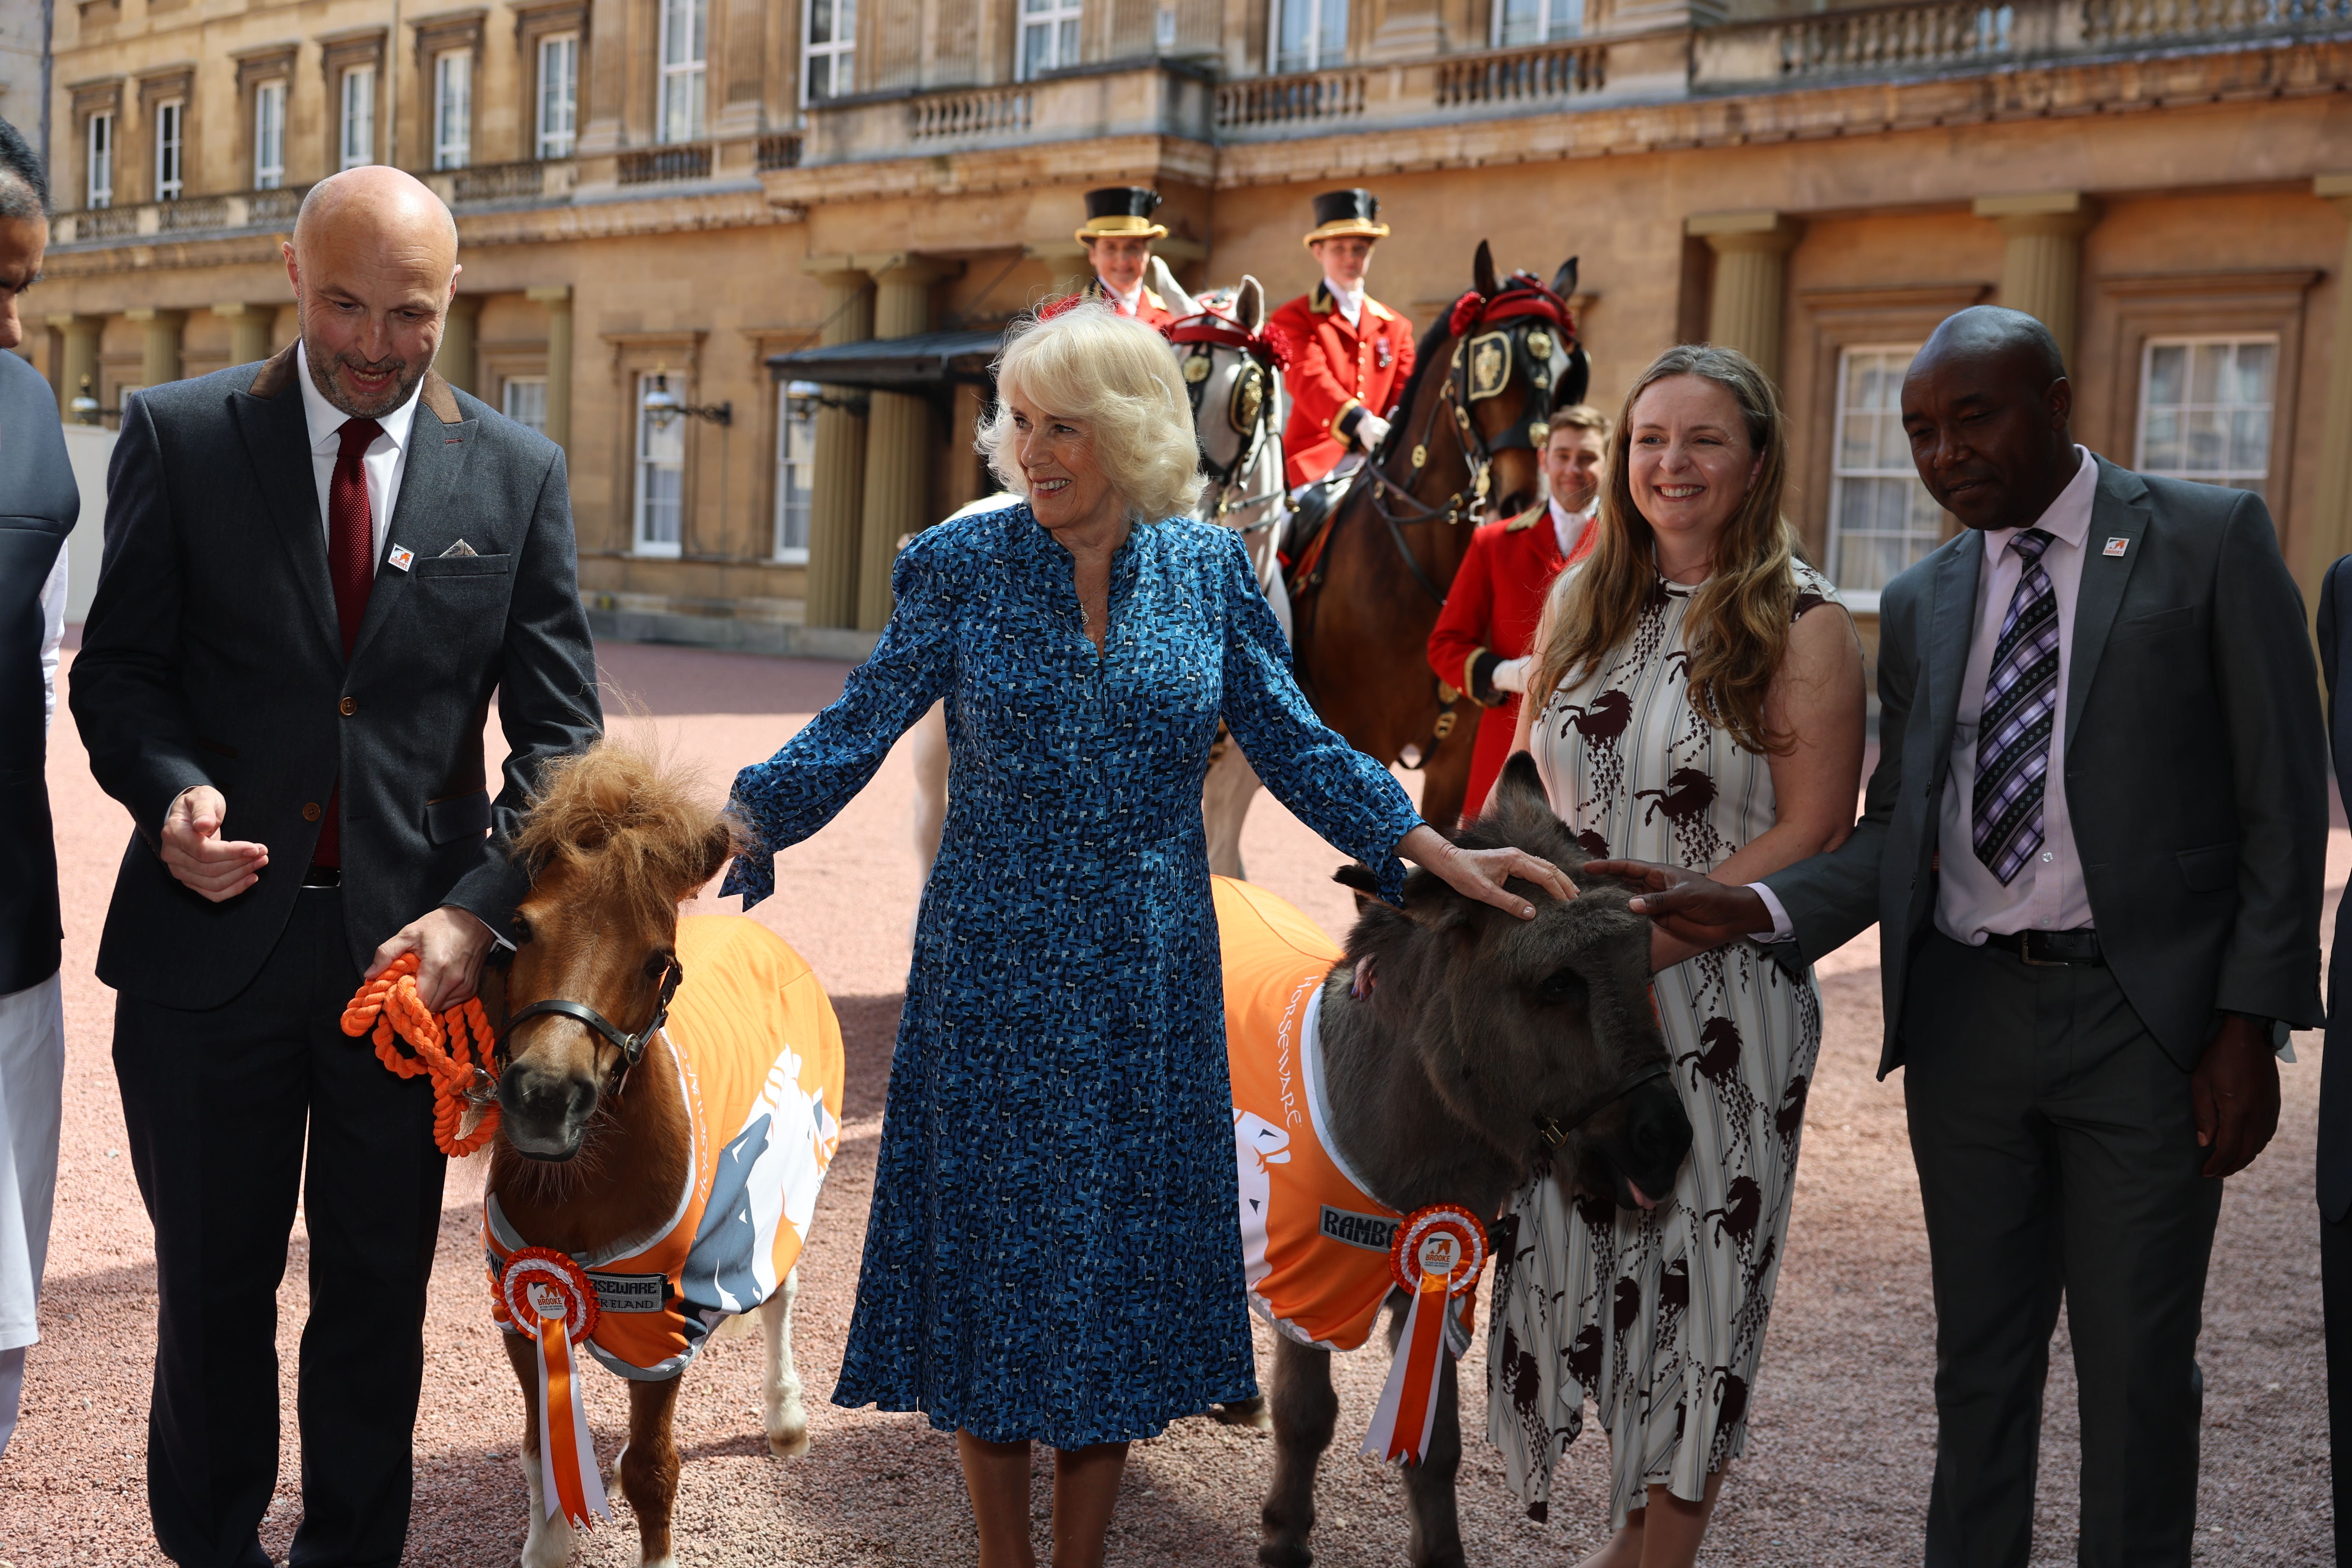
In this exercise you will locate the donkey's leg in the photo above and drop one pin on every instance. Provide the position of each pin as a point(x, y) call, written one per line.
point(548, 1543)
point(1224, 806)
point(1304, 1412)
point(649, 1469)
point(1436, 1538)
point(787, 1422)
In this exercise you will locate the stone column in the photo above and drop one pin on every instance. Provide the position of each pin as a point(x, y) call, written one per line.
point(80, 364)
point(2042, 272)
point(837, 488)
point(249, 327)
point(1751, 276)
point(455, 359)
point(557, 297)
point(897, 442)
point(2331, 531)
point(161, 362)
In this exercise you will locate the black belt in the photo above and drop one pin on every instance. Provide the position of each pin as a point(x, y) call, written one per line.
point(2040, 947)
point(320, 876)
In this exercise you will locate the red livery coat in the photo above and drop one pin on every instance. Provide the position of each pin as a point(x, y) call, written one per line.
point(1335, 366)
point(1150, 308)
point(1493, 606)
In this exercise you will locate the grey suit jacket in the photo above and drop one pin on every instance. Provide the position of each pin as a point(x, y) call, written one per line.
point(212, 655)
point(38, 503)
point(2335, 1065)
point(2196, 770)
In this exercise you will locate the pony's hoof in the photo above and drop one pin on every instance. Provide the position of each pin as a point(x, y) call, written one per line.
point(790, 1443)
point(1249, 1412)
point(1285, 1555)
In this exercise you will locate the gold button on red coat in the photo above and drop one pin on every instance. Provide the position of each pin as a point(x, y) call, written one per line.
point(348, 706)
point(310, 811)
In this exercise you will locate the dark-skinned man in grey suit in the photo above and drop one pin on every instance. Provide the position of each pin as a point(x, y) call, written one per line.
point(2094, 845)
point(319, 571)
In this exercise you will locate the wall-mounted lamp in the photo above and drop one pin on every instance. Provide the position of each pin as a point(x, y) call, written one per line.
point(665, 408)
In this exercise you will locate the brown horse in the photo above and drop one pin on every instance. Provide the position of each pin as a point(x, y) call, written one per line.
point(1463, 449)
point(595, 1143)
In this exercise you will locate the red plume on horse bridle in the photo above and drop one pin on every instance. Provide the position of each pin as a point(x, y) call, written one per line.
point(1210, 327)
point(1522, 294)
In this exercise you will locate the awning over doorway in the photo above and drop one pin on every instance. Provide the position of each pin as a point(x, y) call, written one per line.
point(924, 363)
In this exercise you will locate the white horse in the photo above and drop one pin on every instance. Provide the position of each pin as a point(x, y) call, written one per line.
point(1238, 408)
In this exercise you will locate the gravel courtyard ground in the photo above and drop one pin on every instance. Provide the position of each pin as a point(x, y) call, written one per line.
point(1840, 1443)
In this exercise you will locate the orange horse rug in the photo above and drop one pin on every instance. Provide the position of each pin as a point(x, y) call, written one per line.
point(760, 1066)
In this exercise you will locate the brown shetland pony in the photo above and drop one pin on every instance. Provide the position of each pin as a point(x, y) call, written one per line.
point(1366, 604)
point(579, 1165)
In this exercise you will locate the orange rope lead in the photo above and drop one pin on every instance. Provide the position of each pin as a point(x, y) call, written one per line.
point(450, 1047)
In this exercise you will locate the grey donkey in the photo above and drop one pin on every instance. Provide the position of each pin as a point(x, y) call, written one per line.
point(1486, 1048)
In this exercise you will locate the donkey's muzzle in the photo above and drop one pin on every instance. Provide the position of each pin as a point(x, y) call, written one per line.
point(544, 1115)
point(1655, 1141)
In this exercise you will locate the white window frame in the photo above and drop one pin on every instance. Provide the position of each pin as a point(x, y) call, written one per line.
point(685, 74)
point(453, 109)
point(834, 60)
point(171, 148)
point(1865, 600)
point(647, 465)
point(1555, 20)
point(2233, 477)
point(98, 149)
point(1062, 23)
point(796, 405)
point(270, 135)
point(1322, 52)
point(508, 401)
point(559, 95)
point(355, 118)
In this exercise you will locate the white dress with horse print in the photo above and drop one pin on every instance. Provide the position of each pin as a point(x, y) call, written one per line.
point(1659, 1317)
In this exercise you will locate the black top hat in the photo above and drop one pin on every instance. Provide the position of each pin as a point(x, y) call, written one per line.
point(1121, 210)
point(1340, 213)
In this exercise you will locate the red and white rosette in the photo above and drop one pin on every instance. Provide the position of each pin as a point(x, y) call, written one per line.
point(1437, 1253)
point(548, 1297)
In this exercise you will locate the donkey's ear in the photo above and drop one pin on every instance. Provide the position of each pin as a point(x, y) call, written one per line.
point(1519, 792)
point(1355, 876)
point(1431, 901)
point(1563, 282)
point(1481, 270)
point(1249, 303)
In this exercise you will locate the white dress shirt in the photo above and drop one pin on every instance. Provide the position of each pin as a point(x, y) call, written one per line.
point(2048, 894)
point(1568, 527)
point(1351, 301)
point(386, 462)
point(1126, 304)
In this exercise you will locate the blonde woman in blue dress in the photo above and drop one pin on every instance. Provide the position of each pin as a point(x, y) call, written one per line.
point(1705, 709)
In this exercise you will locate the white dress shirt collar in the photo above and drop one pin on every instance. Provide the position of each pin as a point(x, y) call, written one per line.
point(2068, 515)
point(1349, 302)
point(1568, 527)
point(384, 464)
point(326, 421)
point(1128, 304)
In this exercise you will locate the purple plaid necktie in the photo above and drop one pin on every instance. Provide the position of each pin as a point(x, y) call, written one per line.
point(2020, 704)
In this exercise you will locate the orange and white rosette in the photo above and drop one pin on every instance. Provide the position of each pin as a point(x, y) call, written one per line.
point(1437, 1253)
point(548, 1297)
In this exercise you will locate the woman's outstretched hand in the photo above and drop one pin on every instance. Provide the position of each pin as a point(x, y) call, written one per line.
point(1480, 873)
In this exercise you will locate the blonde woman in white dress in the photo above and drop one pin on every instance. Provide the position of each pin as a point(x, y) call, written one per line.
point(1705, 709)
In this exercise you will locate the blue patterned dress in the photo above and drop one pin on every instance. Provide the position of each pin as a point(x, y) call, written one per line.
point(1052, 1252)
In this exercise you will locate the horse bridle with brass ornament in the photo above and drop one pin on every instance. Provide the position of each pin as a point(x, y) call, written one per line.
point(1251, 409)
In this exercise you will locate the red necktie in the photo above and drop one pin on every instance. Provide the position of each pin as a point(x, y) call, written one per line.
point(350, 566)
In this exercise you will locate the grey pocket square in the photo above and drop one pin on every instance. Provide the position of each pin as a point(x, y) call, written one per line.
point(460, 548)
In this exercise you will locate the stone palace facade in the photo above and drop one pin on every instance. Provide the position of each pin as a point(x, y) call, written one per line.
point(687, 189)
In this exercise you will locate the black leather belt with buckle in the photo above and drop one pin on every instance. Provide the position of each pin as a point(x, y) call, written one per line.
point(323, 876)
point(2040, 947)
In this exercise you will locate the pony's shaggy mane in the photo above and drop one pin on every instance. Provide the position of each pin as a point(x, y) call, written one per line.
point(627, 826)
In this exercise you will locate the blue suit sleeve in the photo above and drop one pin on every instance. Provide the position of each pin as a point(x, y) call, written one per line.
point(792, 795)
point(1352, 800)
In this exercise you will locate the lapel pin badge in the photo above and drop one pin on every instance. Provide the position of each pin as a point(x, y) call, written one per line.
point(402, 555)
point(2118, 545)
